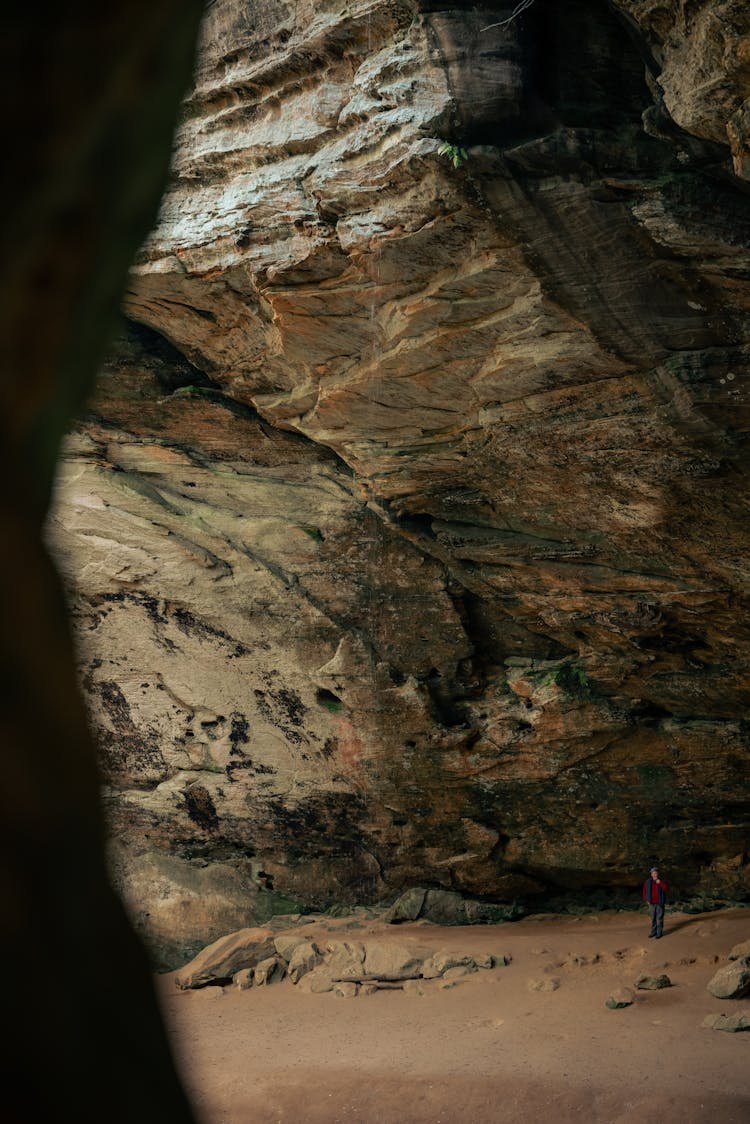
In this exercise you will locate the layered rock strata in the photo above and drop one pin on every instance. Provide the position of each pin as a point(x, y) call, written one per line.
point(408, 525)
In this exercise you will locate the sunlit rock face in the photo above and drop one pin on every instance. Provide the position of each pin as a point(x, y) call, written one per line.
point(417, 553)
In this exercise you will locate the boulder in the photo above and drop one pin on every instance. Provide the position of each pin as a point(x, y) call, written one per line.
point(492, 913)
point(304, 958)
point(623, 997)
point(546, 983)
point(225, 957)
point(730, 1023)
point(732, 981)
point(407, 907)
point(652, 983)
point(270, 970)
point(444, 907)
point(209, 994)
point(459, 971)
point(345, 990)
point(286, 943)
point(740, 951)
point(440, 962)
point(393, 961)
point(243, 979)
point(318, 981)
point(345, 959)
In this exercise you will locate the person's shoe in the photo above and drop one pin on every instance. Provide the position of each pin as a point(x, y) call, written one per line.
point(651, 935)
point(657, 936)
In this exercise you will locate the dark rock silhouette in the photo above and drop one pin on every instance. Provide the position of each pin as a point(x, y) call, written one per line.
point(90, 95)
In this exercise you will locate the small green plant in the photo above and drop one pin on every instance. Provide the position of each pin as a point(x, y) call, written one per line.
point(314, 532)
point(454, 152)
point(571, 679)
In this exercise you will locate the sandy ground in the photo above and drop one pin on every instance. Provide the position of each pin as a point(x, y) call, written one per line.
point(489, 1050)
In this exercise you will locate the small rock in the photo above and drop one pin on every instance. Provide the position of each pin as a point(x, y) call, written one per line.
point(212, 992)
point(414, 987)
point(623, 997)
point(243, 979)
point(731, 981)
point(740, 951)
point(730, 1023)
point(369, 988)
point(459, 971)
point(318, 981)
point(443, 961)
point(345, 990)
point(270, 970)
point(286, 943)
point(581, 961)
point(652, 983)
point(550, 983)
point(303, 959)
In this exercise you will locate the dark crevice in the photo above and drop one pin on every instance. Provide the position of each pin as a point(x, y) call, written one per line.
point(585, 68)
point(419, 523)
point(495, 635)
point(175, 375)
point(328, 700)
point(170, 367)
point(446, 705)
point(648, 713)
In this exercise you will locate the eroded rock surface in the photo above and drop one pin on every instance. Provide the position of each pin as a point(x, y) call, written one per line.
point(416, 556)
point(732, 981)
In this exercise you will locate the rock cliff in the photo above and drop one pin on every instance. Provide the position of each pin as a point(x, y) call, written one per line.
point(407, 531)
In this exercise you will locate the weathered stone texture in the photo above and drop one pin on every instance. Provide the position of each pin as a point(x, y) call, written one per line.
point(420, 559)
point(703, 51)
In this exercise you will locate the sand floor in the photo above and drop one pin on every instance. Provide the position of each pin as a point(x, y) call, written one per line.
point(489, 1049)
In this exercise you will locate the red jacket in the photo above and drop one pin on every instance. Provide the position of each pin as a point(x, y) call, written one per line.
point(654, 894)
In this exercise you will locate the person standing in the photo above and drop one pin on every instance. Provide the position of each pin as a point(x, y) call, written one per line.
point(655, 897)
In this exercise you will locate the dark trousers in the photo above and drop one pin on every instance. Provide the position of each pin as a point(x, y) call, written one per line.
point(656, 913)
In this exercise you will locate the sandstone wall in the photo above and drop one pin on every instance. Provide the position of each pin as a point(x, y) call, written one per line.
point(407, 531)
